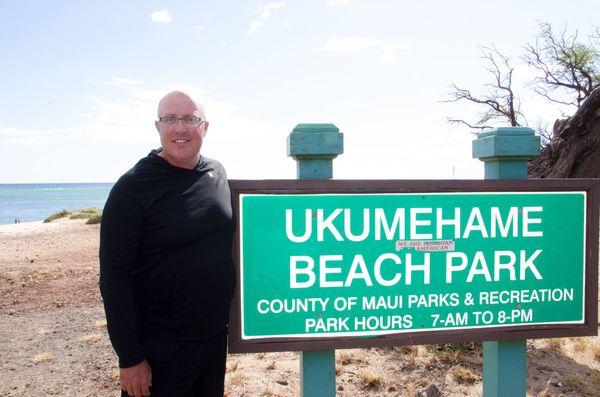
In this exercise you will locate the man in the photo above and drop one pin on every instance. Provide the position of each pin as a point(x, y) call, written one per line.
point(166, 272)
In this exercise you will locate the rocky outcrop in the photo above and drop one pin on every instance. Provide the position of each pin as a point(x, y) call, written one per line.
point(574, 150)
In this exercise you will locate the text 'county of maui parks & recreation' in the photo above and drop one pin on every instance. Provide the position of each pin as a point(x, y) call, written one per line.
point(363, 265)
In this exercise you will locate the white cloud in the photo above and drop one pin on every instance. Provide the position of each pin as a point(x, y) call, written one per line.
point(121, 81)
point(199, 28)
point(162, 16)
point(123, 114)
point(286, 24)
point(349, 4)
point(34, 137)
point(254, 25)
point(389, 50)
point(266, 10)
point(264, 13)
point(346, 45)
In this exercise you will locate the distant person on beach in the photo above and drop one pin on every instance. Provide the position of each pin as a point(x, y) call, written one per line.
point(166, 271)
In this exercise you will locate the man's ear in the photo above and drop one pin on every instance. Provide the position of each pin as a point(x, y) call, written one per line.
point(205, 128)
point(156, 125)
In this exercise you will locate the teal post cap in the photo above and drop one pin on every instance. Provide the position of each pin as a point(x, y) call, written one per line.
point(506, 143)
point(315, 141)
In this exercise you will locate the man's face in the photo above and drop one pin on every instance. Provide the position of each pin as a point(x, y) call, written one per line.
point(180, 142)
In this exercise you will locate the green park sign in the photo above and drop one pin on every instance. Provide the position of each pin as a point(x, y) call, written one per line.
point(326, 264)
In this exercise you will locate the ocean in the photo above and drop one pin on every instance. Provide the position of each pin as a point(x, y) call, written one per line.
point(37, 201)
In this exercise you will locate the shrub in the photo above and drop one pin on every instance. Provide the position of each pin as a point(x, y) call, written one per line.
point(463, 375)
point(370, 380)
point(57, 215)
point(94, 219)
point(85, 213)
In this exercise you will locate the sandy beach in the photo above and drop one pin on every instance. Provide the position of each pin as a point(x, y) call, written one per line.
point(37, 226)
point(53, 338)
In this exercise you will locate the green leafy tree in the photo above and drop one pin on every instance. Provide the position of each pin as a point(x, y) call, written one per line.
point(569, 67)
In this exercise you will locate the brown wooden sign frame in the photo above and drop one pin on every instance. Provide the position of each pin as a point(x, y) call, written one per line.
point(589, 327)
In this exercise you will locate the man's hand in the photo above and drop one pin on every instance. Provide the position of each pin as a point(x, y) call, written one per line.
point(136, 380)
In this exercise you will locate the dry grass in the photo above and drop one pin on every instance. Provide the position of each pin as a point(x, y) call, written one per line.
point(233, 367)
point(100, 324)
point(405, 350)
point(91, 338)
point(269, 392)
point(580, 344)
point(595, 349)
point(345, 358)
point(586, 385)
point(42, 357)
point(352, 356)
point(411, 388)
point(370, 380)
point(238, 379)
point(463, 375)
point(413, 385)
point(449, 357)
point(449, 353)
point(3, 279)
point(545, 392)
point(410, 357)
point(46, 274)
point(555, 344)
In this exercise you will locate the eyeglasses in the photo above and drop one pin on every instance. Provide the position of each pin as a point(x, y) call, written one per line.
point(187, 120)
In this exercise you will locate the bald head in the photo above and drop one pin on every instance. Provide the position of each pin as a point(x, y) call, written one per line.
point(181, 134)
point(178, 96)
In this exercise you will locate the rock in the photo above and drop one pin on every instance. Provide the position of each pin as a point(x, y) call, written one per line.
point(391, 389)
point(340, 387)
point(429, 391)
point(282, 382)
point(575, 145)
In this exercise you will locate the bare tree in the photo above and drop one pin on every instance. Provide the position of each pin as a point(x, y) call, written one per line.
point(498, 99)
point(565, 63)
point(569, 74)
point(544, 132)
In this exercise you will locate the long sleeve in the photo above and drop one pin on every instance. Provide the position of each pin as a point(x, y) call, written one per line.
point(120, 233)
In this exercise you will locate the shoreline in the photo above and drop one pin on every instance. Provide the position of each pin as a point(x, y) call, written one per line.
point(36, 226)
point(21, 227)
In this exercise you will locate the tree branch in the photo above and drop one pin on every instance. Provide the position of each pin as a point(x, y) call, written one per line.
point(475, 127)
point(564, 62)
point(499, 98)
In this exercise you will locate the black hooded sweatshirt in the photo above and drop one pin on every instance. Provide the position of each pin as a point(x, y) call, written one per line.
point(166, 268)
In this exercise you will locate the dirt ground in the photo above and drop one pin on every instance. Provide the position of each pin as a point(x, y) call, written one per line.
point(53, 338)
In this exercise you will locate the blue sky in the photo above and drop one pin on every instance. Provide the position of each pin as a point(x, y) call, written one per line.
point(80, 80)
